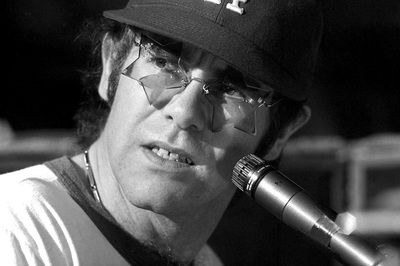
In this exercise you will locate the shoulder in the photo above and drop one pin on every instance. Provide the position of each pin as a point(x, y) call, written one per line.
point(207, 257)
point(38, 216)
point(14, 179)
point(27, 186)
point(25, 194)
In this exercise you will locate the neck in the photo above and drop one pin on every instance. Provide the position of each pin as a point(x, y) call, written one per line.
point(179, 236)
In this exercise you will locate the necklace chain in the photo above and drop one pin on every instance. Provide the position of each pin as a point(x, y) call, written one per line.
point(90, 176)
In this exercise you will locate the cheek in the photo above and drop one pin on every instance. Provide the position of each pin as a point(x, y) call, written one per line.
point(263, 122)
point(128, 108)
point(229, 157)
point(236, 144)
point(232, 153)
point(130, 97)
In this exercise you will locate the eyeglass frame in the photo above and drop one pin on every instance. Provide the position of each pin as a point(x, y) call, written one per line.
point(261, 101)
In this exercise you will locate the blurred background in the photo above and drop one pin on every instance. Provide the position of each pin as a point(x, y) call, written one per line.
point(347, 157)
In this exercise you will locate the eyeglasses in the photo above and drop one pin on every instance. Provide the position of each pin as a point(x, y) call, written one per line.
point(163, 71)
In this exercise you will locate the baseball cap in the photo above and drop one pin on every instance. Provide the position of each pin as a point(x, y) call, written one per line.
point(273, 41)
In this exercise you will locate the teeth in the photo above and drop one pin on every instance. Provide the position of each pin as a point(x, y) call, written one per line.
point(171, 156)
point(162, 152)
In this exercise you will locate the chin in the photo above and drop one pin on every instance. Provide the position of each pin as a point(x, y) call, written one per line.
point(163, 199)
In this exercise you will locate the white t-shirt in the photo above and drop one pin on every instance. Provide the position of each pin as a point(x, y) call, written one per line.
point(40, 224)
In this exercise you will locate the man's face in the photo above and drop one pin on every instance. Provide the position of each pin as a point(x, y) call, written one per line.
point(164, 154)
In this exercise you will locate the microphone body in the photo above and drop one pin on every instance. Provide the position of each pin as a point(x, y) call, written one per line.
point(291, 204)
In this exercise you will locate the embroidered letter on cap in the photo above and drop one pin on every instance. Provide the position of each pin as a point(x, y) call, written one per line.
point(235, 6)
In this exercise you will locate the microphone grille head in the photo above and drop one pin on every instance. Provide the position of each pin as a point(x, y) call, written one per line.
point(244, 169)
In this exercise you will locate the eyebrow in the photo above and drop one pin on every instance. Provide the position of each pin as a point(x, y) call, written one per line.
point(163, 43)
point(161, 51)
point(232, 73)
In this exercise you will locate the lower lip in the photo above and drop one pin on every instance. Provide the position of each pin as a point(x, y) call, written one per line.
point(163, 163)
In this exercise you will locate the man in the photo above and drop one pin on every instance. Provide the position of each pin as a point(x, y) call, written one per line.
point(187, 88)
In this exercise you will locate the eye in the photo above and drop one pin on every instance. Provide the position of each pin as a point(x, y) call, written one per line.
point(230, 90)
point(236, 87)
point(160, 62)
point(159, 58)
point(164, 64)
point(240, 92)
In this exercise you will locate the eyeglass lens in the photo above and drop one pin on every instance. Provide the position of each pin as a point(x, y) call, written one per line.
point(161, 75)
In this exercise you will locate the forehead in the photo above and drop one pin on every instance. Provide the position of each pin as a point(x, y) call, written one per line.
point(185, 51)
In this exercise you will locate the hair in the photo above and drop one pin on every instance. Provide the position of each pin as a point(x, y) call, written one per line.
point(93, 112)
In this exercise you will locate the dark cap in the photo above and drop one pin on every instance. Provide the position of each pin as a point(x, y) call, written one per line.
point(273, 41)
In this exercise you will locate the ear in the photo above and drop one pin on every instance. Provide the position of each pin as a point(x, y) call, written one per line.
point(106, 58)
point(284, 135)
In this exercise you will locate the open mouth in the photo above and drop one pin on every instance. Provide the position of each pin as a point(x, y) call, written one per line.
point(165, 154)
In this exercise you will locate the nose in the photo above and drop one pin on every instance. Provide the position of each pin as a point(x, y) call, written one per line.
point(189, 109)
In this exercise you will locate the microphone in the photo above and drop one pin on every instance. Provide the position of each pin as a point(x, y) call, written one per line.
point(292, 205)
